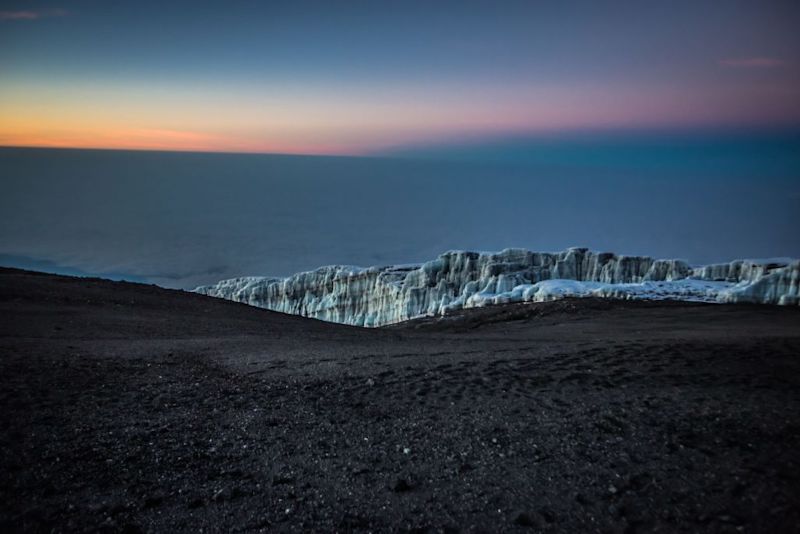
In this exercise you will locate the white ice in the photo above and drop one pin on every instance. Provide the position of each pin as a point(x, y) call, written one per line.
point(376, 296)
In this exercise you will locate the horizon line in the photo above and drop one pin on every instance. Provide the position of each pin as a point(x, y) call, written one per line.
point(180, 151)
point(397, 149)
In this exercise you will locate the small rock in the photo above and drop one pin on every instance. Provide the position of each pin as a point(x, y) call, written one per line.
point(130, 528)
point(152, 502)
point(548, 515)
point(580, 498)
point(279, 480)
point(401, 485)
point(730, 519)
point(523, 520)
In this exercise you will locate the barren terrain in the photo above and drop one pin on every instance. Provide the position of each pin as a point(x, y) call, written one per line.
point(132, 408)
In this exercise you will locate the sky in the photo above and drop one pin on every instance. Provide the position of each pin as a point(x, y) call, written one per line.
point(361, 78)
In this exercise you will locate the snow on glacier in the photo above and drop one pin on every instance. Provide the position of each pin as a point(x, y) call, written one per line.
point(376, 296)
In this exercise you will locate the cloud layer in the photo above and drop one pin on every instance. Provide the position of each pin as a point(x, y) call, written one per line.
point(753, 62)
point(31, 14)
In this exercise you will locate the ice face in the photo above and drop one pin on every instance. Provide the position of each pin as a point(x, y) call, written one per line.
point(377, 296)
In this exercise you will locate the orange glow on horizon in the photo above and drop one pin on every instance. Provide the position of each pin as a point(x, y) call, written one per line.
point(251, 120)
point(159, 139)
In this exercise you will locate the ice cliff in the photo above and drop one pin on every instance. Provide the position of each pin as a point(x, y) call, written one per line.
point(376, 296)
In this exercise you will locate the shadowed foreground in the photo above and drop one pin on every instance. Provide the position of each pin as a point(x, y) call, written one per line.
point(133, 408)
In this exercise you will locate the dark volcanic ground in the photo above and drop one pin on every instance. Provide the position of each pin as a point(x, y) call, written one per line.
point(133, 408)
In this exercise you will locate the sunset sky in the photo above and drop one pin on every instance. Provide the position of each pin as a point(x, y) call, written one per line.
point(364, 77)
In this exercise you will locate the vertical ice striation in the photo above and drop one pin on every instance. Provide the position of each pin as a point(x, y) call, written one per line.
point(768, 283)
point(377, 296)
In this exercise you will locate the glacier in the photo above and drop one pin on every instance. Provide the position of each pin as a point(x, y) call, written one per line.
point(378, 296)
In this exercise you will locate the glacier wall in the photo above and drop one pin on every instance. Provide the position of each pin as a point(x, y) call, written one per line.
point(376, 296)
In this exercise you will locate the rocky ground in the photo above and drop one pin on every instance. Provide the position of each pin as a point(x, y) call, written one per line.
point(132, 408)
